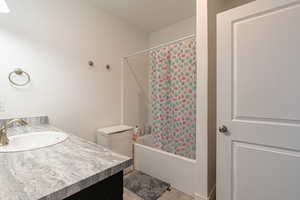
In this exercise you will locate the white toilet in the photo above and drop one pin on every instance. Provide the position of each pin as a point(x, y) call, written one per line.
point(117, 138)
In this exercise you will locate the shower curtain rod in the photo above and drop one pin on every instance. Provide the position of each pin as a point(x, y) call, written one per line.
point(162, 45)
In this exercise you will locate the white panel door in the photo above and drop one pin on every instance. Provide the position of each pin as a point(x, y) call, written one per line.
point(259, 102)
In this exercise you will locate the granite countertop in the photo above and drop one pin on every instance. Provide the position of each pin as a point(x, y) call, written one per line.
point(58, 171)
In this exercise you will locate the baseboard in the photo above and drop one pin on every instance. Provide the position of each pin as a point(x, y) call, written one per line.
point(211, 196)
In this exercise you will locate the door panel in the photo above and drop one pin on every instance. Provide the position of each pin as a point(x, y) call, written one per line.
point(262, 172)
point(258, 100)
point(261, 51)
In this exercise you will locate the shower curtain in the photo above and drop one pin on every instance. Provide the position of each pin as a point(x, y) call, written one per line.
point(173, 98)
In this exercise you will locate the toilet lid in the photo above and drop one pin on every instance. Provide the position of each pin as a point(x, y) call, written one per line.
point(114, 129)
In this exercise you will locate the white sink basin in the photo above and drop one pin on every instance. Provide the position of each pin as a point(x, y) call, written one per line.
point(31, 141)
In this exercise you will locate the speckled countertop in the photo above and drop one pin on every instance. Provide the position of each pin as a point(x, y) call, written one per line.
point(55, 172)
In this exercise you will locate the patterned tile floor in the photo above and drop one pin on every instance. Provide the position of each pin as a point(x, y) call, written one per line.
point(169, 195)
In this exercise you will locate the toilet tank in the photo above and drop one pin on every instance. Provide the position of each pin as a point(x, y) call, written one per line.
point(117, 138)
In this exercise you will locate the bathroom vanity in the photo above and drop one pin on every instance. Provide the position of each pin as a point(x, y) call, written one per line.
point(108, 189)
point(74, 169)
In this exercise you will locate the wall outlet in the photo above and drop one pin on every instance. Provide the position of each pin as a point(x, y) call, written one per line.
point(2, 106)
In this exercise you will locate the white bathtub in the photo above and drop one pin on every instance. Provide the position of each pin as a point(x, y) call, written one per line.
point(176, 170)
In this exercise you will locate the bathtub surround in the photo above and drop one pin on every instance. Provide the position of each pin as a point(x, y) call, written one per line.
point(146, 155)
point(176, 170)
point(170, 95)
point(58, 171)
point(54, 44)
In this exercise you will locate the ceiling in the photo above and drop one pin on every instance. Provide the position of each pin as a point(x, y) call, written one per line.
point(150, 15)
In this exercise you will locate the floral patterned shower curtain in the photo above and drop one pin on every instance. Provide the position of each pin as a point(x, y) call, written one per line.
point(173, 98)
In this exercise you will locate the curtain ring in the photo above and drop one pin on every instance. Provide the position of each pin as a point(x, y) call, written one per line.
point(19, 72)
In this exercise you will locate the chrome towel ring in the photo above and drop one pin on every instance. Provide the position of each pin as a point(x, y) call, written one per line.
point(19, 72)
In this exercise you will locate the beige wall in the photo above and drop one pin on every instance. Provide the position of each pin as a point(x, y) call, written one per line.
point(215, 7)
point(207, 122)
point(53, 41)
point(175, 31)
point(229, 4)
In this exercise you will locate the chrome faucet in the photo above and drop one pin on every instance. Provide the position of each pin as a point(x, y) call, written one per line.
point(3, 130)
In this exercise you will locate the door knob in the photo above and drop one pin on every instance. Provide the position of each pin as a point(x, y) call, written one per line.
point(223, 129)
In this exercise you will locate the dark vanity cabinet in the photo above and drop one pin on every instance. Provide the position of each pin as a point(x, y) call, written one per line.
point(108, 189)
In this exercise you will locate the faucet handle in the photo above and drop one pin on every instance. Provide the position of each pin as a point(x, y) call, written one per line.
point(3, 130)
point(23, 122)
point(3, 137)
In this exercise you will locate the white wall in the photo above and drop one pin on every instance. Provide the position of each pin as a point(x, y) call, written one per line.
point(53, 41)
point(136, 90)
point(175, 31)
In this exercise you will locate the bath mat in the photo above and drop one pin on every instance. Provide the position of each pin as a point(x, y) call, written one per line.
point(145, 186)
